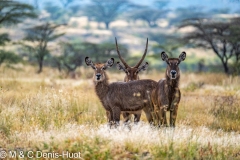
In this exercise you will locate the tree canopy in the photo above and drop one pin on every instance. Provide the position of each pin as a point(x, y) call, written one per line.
point(40, 36)
point(13, 12)
point(216, 35)
point(149, 15)
point(105, 11)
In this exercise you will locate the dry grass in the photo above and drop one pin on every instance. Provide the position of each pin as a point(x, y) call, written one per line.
point(44, 112)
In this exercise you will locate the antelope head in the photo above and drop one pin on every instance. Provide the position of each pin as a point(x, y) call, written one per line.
point(99, 68)
point(131, 72)
point(172, 70)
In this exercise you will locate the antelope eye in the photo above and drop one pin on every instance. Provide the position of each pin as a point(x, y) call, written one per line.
point(103, 68)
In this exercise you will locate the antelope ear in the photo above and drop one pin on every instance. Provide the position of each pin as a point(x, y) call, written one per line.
point(143, 67)
point(89, 62)
point(110, 62)
point(120, 67)
point(182, 56)
point(164, 56)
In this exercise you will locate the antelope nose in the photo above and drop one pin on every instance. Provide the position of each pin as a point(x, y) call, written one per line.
point(98, 75)
point(173, 72)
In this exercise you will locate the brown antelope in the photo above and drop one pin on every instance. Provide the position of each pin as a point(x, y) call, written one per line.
point(116, 97)
point(167, 95)
point(131, 75)
point(131, 72)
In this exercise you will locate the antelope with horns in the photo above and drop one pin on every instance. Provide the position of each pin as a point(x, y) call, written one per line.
point(131, 72)
point(167, 95)
point(131, 75)
point(116, 97)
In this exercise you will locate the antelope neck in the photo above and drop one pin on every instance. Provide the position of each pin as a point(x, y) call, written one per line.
point(101, 87)
point(173, 83)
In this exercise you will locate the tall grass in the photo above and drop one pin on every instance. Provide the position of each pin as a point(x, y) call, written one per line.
point(53, 114)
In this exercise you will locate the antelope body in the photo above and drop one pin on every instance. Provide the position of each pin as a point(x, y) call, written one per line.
point(120, 96)
point(131, 75)
point(167, 95)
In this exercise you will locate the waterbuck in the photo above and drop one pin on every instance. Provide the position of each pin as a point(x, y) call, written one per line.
point(167, 95)
point(116, 97)
point(131, 75)
point(131, 72)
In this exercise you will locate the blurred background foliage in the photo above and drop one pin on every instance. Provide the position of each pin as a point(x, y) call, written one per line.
point(61, 33)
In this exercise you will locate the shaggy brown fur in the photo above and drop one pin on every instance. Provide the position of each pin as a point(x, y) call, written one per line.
point(131, 75)
point(167, 95)
point(120, 96)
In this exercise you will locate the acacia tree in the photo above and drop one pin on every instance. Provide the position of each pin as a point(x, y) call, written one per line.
point(105, 11)
point(233, 39)
point(150, 14)
point(218, 36)
point(40, 36)
point(61, 13)
point(57, 14)
point(184, 13)
point(11, 13)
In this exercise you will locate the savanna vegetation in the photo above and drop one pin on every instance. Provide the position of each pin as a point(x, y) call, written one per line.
point(45, 112)
point(47, 98)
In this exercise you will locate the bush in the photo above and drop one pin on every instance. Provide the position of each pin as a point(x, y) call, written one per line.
point(236, 68)
point(8, 57)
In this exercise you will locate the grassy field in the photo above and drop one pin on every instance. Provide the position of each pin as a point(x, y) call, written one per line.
point(50, 114)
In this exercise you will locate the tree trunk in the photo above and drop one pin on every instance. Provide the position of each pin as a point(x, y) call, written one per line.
point(225, 66)
point(237, 57)
point(224, 62)
point(59, 68)
point(40, 64)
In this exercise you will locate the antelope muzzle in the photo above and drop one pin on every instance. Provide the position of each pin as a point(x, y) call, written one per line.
point(98, 76)
point(173, 74)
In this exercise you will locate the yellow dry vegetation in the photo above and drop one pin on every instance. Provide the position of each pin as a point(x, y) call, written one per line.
point(50, 113)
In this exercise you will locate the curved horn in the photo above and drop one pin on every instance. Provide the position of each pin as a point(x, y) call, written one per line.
point(120, 57)
point(145, 52)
